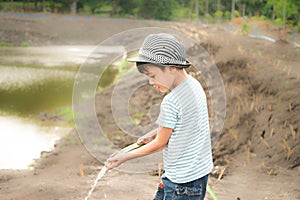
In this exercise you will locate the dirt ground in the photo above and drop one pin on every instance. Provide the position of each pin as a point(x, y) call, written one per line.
point(256, 157)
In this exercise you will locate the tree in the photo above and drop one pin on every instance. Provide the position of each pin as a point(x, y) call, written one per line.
point(250, 7)
point(219, 11)
point(127, 7)
point(284, 11)
point(35, 4)
point(232, 10)
point(44, 6)
point(197, 11)
point(73, 7)
point(157, 9)
point(206, 8)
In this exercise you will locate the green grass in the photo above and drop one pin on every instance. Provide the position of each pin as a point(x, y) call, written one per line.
point(25, 44)
point(67, 113)
point(10, 44)
point(245, 28)
point(6, 44)
point(16, 7)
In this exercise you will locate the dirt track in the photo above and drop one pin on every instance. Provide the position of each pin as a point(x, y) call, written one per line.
point(260, 145)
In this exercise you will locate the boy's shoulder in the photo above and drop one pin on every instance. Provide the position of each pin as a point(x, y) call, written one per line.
point(181, 91)
point(187, 85)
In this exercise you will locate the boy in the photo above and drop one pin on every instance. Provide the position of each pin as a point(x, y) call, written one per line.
point(183, 131)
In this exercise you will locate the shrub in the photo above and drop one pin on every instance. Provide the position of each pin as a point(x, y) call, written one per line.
point(278, 21)
point(6, 44)
point(180, 13)
point(25, 44)
point(157, 9)
point(227, 15)
point(298, 28)
point(208, 17)
point(236, 13)
point(218, 14)
point(245, 28)
point(263, 18)
point(86, 10)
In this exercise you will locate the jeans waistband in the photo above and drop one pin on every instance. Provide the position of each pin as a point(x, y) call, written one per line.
point(194, 183)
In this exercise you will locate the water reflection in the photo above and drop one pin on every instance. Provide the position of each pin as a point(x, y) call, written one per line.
point(55, 55)
point(36, 80)
point(22, 141)
point(39, 79)
point(25, 89)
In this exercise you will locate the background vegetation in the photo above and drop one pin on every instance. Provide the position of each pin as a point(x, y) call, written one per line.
point(284, 13)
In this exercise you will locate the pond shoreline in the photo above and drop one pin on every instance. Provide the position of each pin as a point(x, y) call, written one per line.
point(25, 140)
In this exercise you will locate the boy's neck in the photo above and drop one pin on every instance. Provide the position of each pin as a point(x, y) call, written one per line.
point(180, 77)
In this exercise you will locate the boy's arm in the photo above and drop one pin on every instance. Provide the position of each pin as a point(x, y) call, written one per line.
point(161, 140)
point(148, 137)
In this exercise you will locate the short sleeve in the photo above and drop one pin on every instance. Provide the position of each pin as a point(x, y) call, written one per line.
point(168, 115)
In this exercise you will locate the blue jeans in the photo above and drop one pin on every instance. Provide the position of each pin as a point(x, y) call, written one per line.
point(194, 190)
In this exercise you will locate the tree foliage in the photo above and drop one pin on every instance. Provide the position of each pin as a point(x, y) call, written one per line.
point(161, 9)
point(157, 9)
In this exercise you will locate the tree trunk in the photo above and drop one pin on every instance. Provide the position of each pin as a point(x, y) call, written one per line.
point(197, 11)
point(24, 5)
point(284, 14)
point(232, 10)
point(44, 6)
point(191, 10)
point(219, 10)
point(35, 5)
point(273, 13)
point(73, 7)
point(114, 8)
point(240, 8)
point(206, 7)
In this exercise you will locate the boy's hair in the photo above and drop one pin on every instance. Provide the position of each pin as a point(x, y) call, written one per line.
point(142, 66)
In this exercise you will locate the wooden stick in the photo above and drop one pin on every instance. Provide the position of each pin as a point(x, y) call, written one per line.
point(271, 132)
point(81, 171)
point(288, 148)
point(292, 131)
point(265, 142)
point(221, 173)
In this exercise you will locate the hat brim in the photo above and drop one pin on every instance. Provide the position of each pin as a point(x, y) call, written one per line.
point(138, 59)
point(143, 60)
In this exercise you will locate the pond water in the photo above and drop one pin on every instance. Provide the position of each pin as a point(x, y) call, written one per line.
point(36, 82)
point(23, 140)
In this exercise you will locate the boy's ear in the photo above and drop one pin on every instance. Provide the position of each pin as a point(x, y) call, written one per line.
point(172, 69)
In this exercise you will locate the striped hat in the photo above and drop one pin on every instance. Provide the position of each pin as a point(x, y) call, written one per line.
point(163, 49)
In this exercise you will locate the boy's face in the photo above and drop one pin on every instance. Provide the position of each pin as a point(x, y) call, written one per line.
point(162, 80)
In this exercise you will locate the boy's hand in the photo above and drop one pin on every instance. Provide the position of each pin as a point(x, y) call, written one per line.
point(116, 160)
point(144, 140)
point(147, 137)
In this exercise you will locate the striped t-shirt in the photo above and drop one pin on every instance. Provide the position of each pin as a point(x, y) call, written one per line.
point(188, 155)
